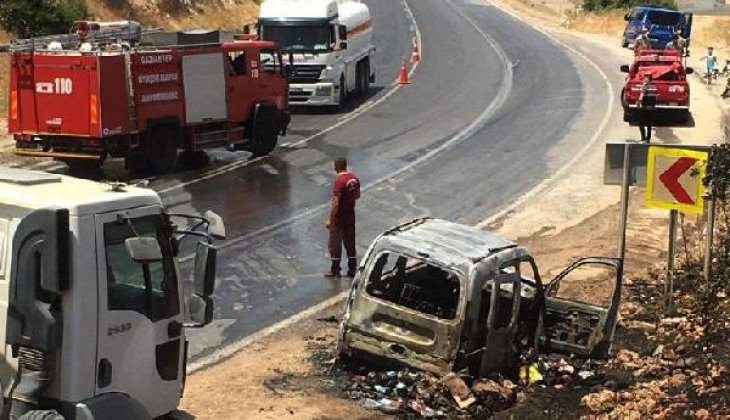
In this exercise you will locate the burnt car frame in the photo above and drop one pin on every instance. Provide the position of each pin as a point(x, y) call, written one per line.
point(424, 297)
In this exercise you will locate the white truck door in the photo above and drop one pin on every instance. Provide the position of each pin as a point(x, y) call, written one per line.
point(140, 342)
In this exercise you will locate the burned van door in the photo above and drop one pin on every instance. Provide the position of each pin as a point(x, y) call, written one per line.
point(582, 307)
point(407, 309)
point(500, 351)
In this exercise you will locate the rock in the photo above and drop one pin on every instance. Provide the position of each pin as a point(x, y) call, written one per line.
point(658, 351)
point(673, 321)
point(600, 402)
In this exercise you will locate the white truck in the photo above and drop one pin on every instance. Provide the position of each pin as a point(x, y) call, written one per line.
point(330, 43)
point(92, 317)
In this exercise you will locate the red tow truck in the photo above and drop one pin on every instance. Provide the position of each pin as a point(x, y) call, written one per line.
point(80, 100)
point(669, 75)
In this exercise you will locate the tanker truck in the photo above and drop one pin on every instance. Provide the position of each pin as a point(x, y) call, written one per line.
point(329, 45)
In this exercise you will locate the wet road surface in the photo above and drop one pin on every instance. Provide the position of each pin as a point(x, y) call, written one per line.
point(484, 120)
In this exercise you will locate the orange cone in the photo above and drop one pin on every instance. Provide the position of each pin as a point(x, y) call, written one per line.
point(416, 56)
point(403, 77)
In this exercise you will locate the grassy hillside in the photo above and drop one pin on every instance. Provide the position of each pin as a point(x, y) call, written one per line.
point(178, 14)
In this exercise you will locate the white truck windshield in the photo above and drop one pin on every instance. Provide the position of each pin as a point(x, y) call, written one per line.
point(299, 38)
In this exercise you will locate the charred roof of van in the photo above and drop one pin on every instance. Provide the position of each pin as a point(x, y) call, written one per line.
point(22, 188)
point(446, 242)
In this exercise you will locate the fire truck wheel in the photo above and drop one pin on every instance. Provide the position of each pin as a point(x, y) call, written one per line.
point(161, 149)
point(84, 168)
point(41, 415)
point(265, 134)
point(194, 160)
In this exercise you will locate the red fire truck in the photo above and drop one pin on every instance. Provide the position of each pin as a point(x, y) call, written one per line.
point(190, 91)
point(669, 76)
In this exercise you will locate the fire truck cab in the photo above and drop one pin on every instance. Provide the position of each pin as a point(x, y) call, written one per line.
point(190, 91)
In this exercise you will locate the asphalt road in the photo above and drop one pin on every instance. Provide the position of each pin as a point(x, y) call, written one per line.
point(490, 113)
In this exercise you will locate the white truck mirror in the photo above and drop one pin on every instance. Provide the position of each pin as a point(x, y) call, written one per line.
point(200, 309)
point(216, 227)
point(205, 267)
point(143, 250)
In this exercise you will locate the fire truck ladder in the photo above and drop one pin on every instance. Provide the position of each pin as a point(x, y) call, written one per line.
point(73, 40)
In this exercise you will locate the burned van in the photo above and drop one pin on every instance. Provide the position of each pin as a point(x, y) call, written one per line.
point(440, 296)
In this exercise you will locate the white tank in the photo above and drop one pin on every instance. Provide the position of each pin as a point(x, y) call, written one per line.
point(353, 14)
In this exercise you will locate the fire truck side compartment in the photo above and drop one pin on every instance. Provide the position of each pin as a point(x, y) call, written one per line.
point(205, 88)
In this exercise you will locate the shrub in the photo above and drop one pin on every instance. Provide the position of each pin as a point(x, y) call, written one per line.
point(600, 5)
point(29, 18)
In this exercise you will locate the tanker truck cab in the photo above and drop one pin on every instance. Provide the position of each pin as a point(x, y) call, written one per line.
point(91, 299)
point(329, 45)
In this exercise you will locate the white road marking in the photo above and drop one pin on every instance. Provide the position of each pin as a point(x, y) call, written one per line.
point(475, 125)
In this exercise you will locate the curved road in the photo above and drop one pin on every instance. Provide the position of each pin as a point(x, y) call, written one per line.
point(490, 114)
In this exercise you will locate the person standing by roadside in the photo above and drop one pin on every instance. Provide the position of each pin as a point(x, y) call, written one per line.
point(642, 42)
point(646, 102)
point(341, 220)
point(711, 60)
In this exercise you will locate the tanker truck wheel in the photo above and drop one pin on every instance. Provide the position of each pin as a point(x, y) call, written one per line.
point(265, 133)
point(41, 415)
point(161, 149)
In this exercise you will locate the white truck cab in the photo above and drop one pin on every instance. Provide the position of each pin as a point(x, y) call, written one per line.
point(329, 43)
point(92, 317)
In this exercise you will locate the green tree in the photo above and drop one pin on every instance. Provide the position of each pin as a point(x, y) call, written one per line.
point(29, 18)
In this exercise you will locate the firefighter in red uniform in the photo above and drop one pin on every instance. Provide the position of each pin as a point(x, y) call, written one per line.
point(341, 221)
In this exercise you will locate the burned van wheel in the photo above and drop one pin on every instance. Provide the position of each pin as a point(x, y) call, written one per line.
point(265, 133)
point(41, 415)
point(161, 148)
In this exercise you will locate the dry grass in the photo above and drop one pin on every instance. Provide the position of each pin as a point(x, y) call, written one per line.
point(230, 14)
point(707, 30)
point(606, 23)
point(231, 17)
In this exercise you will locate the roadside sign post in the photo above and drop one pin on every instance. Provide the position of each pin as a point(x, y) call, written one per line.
point(669, 287)
point(707, 269)
point(625, 184)
point(675, 182)
point(673, 178)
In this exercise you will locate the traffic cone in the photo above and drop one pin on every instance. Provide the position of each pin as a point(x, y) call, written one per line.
point(403, 77)
point(416, 56)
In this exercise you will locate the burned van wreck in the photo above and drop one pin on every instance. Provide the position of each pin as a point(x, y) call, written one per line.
point(443, 297)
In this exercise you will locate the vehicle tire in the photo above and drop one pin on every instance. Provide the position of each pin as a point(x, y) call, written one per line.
point(265, 133)
point(41, 415)
point(358, 79)
point(343, 93)
point(624, 44)
point(90, 169)
point(194, 160)
point(161, 149)
point(366, 77)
